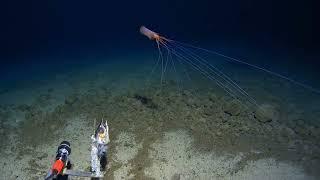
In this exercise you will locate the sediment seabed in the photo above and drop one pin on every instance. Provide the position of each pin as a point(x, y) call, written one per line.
point(159, 133)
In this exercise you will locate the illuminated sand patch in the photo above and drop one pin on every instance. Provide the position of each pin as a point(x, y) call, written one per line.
point(174, 157)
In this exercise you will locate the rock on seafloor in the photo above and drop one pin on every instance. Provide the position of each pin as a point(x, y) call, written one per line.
point(266, 113)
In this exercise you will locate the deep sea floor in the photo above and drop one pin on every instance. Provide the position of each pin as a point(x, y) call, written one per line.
point(180, 128)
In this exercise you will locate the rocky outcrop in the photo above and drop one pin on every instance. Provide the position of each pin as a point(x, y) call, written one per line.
point(232, 108)
point(266, 113)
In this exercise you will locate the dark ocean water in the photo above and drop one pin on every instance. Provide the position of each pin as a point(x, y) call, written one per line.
point(40, 67)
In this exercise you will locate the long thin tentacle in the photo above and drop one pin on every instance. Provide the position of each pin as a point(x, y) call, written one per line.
point(251, 65)
point(224, 82)
point(210, 77)
point(205, 73)
point(153, 69)
point(162, 42)
point(160, 52)
point(218, 72)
